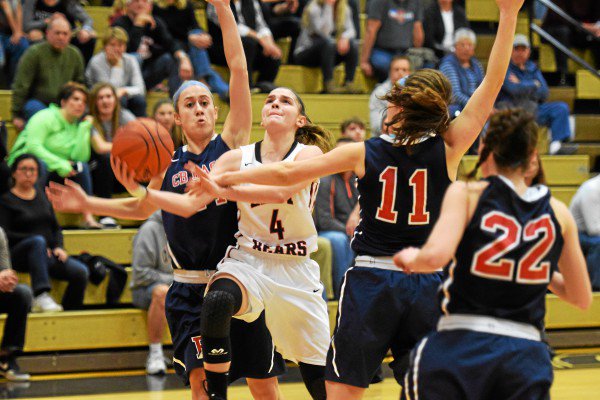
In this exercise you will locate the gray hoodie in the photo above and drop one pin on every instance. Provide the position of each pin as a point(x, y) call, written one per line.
point(151, 260)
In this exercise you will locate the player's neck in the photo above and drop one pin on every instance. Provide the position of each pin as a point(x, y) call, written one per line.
point(275, 146)
point(517, 179)
point(198, 146)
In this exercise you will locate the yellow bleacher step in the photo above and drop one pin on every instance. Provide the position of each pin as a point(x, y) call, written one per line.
point(588, 86)
point(566, 94)
point(561, 315)
point(115, 244)
point(564, 193)
point(547, 61)
point(559, 170)
point(88, 330)
point(587, 128)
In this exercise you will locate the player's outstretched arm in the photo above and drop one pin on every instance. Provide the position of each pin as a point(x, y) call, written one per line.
point(71, 198)
point(444, 238)
point(464, 129)
point(238, 124)
point(345, 158)
point(574, 285)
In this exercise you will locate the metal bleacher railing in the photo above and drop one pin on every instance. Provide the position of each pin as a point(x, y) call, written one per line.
point(552, 40)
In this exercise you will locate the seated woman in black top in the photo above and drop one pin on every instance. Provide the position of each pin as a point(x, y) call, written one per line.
point(35, 239)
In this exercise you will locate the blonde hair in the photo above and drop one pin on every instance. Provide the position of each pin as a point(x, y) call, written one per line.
point(115, 32)
point(179, 4)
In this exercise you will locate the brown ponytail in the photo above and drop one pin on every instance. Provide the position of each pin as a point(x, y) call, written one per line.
point(312, 134)
point(511, 139)
point(423, 99)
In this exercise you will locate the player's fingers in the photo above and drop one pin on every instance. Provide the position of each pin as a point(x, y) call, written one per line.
point(72, 184)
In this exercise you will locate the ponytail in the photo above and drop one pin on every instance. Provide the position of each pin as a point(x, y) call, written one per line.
point(315, 135)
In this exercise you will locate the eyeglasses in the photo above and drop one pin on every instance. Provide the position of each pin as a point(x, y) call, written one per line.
point(27, 170)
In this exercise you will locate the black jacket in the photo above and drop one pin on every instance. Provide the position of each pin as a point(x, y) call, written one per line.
point(433, 25)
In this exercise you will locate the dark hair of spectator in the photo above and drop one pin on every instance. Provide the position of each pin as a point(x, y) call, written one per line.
point(311, 134)
point(15, 165)
point(93, 107)
point(354, 120)
point(511, 139)
point(423, 100)
point(69, 88)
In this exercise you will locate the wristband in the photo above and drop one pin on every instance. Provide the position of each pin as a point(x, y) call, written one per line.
point(139, 192)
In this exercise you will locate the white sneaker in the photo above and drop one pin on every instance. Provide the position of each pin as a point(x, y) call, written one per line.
point(9, 369)
point(45, 303)
point(155, 364)
point(108, 223)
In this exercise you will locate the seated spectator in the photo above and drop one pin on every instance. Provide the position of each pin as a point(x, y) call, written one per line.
point(584, 207)
point(399, 68)
point(150, 41)
point(164, 114)
point(462, 69)
point(120, 69)
point(107, 117)
point(525, 87)
point(336, 198)
point(283, 21)
point(353, 129)
point(43, 70)
point(262, 54)
point(15, 301)
point(12, 40)
point(152, 275)
point(393, 26)
point(442, 18)
point(181, 21)
point(37, 13)
point(327, 39)
point(586, 12)
point(61, 142)
point(36, 240)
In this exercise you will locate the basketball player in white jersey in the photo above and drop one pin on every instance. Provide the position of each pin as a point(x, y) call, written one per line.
point(269, 268)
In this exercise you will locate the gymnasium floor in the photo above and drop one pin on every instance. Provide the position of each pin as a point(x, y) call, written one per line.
point(577, 377)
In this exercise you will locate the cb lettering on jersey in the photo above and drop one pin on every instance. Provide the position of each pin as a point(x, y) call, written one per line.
point(290, 249)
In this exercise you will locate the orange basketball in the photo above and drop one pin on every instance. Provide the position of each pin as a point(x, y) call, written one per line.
point(145, 146)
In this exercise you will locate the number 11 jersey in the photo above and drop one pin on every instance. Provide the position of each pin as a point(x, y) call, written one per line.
point(283, 229)
point(401, 194)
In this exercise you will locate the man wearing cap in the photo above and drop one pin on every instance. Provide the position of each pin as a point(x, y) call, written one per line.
point(524, 86)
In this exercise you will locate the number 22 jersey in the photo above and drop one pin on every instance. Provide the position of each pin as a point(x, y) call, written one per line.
point(506, 257)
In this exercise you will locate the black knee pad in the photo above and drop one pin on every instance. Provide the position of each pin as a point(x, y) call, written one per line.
point(217, 310)
point(314, 380)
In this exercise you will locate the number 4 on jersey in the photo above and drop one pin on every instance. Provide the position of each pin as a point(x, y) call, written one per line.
point(418, 181)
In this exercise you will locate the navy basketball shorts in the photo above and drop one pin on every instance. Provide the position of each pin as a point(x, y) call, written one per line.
point(380, 309)
point(469, 365)
point(252, 350)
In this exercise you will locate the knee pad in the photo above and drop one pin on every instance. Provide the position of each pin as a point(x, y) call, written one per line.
point(217, 310)
point(314, 380)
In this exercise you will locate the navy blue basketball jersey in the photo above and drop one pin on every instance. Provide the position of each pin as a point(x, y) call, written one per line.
point(401, 194)
point(506, 257)
point(198, 242)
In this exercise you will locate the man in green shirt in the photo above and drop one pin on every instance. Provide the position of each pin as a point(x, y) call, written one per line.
point(43, 70)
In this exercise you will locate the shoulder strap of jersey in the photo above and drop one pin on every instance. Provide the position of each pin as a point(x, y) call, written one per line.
point(247, 155)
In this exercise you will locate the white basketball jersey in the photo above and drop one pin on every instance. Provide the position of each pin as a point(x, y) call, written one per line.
point(286, 228)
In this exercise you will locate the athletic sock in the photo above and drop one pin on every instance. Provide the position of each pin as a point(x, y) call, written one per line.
point(156, 348)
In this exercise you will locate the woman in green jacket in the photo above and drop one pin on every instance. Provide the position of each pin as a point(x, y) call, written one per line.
point(61, 141)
